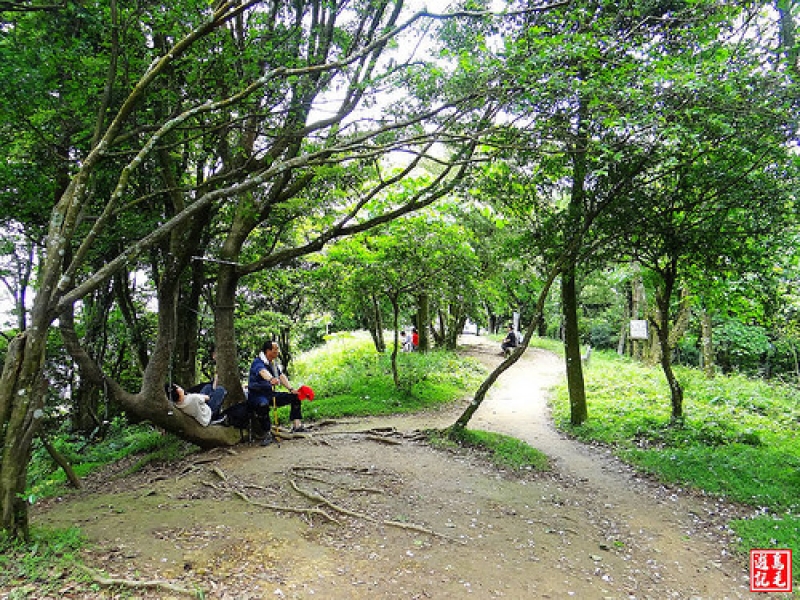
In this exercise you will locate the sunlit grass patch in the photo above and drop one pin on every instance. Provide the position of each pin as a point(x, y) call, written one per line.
point(350, 378)
point(503, 450)
point(769, 531)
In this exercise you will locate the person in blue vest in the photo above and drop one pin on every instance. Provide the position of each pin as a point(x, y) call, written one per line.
point(265, 375)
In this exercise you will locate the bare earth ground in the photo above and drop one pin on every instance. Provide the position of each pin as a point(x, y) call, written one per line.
point(400, 520)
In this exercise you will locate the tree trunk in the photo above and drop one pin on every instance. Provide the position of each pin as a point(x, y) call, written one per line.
point(572, 349)
point(185, 361)
point(707, 344)
point(423, 322)
point(126, 306)
point(675, 388)
point(451, 341)
point(438, 334)
point(225, 334)
point(626, 317)
point(638, 308)
point(484, 388)
point(375, 324)
point(395, 327)
point(20, 419)
point(663, 298)
point(62, 462)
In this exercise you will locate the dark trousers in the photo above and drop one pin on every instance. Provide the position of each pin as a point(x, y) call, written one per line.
point(215, 398)
point(261, 404)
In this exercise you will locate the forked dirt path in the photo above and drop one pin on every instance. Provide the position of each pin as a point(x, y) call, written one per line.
point(405, 521)
point(679, 537)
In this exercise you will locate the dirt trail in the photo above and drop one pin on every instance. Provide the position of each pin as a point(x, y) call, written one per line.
point(667, 529)
point(411, 522)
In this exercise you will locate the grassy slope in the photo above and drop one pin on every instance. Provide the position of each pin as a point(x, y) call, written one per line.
point(740, 438)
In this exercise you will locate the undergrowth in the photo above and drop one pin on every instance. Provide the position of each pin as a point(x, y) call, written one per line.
point(738, 440)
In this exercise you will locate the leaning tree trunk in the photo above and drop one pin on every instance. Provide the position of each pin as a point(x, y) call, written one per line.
point(483, 389)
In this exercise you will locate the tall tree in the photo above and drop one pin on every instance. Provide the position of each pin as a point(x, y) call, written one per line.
point(172, 101)
point(600, 129)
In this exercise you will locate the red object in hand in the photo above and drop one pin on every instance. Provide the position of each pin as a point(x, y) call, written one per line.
point(305, 393)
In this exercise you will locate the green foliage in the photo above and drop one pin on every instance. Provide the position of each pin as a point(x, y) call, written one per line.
point(351, 379)
point(503, 450)
point(142, 442)
point(741, 347)
point(40, 563)
point(739, 439)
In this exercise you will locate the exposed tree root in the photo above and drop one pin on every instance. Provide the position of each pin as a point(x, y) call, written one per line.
point(101, 579)
point(364, 490)
point(320, 499)
point(384, 440)
point(241, 495)
point(316, 497)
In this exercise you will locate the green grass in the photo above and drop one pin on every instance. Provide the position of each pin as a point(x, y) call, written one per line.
point(122, 440)
point(502, 450)
point(739, 439)
point(351, 379)
point(40, 566)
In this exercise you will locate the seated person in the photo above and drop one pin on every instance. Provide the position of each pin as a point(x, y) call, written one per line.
point(405, 342)
point(510, 342)
point(266, 374)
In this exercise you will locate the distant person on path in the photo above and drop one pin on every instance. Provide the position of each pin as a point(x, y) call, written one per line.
point(265, 375)
point(414, 339)
point(405, 341)
point(510, 342)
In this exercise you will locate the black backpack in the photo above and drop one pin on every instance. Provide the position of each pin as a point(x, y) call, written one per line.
point(239, 416)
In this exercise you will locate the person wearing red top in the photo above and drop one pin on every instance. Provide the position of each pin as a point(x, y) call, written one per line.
point(414, 338)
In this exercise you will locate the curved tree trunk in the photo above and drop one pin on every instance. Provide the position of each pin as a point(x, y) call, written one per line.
point(483, 389)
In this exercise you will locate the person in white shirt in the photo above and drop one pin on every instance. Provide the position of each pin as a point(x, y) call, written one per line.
point(194, 405)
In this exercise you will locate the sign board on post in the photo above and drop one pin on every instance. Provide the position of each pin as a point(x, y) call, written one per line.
point(638, 329)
